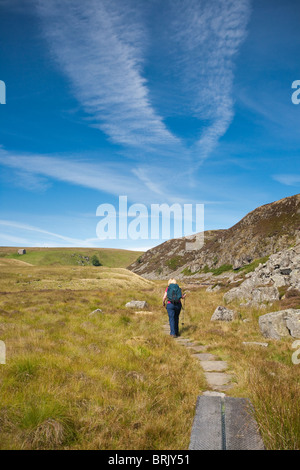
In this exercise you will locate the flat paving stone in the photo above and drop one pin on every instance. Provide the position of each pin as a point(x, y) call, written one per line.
point(184, 342)
point(213, 393)
point(197, 348)
point(214, 366)
point(217, 380)
point(205, 357)
point(255, 343)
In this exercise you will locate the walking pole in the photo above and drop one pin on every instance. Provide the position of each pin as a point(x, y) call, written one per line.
point(183, 310)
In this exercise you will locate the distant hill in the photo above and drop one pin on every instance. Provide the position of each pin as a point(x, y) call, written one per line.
point(111, 258)
point(264, 231)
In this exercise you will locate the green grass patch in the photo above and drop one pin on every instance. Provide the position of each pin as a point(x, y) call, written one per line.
point(187, 272)
point(222, 269)
point(216, 271)
point(111, 258)
point(252, 266)
point(175, 262)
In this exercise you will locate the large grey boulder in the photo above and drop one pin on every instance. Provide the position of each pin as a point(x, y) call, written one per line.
point(223, 314)
point(252, 294)
point(264, 294)
point(277, 325)
point(137, 304)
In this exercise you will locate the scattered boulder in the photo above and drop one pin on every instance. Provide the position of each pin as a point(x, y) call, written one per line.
point(96, 312)
point(223, 314)
point(293, 322)
point(137, 304)
point(277, 325)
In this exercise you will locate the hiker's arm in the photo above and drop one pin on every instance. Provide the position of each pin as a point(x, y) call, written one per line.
point(164, 298)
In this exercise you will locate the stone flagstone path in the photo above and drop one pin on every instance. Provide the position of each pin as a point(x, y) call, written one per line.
point(218, 380)
point(220, 422)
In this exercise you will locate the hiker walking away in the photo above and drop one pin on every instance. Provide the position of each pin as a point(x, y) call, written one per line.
point(173, 296)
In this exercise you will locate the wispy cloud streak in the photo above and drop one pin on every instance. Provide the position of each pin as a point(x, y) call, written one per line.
point(101, 46)
point(288, 179)
point(53, 238)
point(207, 36)
point(98, 44)
point(36, 172)
point(101, 177)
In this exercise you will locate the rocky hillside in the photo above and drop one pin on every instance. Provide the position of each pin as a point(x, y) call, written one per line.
point(277, 278)
point(266, 230)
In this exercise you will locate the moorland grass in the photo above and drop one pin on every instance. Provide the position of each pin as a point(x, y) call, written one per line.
point(75, 381)
point(114, 380)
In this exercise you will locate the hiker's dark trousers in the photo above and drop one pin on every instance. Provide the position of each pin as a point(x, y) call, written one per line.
point(174, 312)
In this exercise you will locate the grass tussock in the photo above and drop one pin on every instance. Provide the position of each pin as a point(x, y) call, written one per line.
point(275, 395)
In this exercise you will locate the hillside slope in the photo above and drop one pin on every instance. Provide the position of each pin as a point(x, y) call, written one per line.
point(109, 257)
point(262, 232)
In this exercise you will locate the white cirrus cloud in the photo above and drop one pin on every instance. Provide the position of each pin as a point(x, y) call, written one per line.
point(288, 179)
point(36, 172)
point(98, 45)
point(208, 36)
point(102, 46)
point(47, 235)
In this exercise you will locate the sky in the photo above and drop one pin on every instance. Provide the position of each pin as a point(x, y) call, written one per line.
point(162, 101)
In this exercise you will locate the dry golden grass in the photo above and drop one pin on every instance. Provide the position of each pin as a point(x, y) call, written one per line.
point(13, 262)
point(74, 381)
point(115, 380)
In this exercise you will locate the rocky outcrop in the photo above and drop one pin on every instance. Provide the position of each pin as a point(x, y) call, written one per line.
point(281, 273)
point(264, 231)
point(251, 294)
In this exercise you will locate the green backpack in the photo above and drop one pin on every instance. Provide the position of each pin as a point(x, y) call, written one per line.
point(174, 293)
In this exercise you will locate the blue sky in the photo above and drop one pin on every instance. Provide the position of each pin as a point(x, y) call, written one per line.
point(164, 101)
